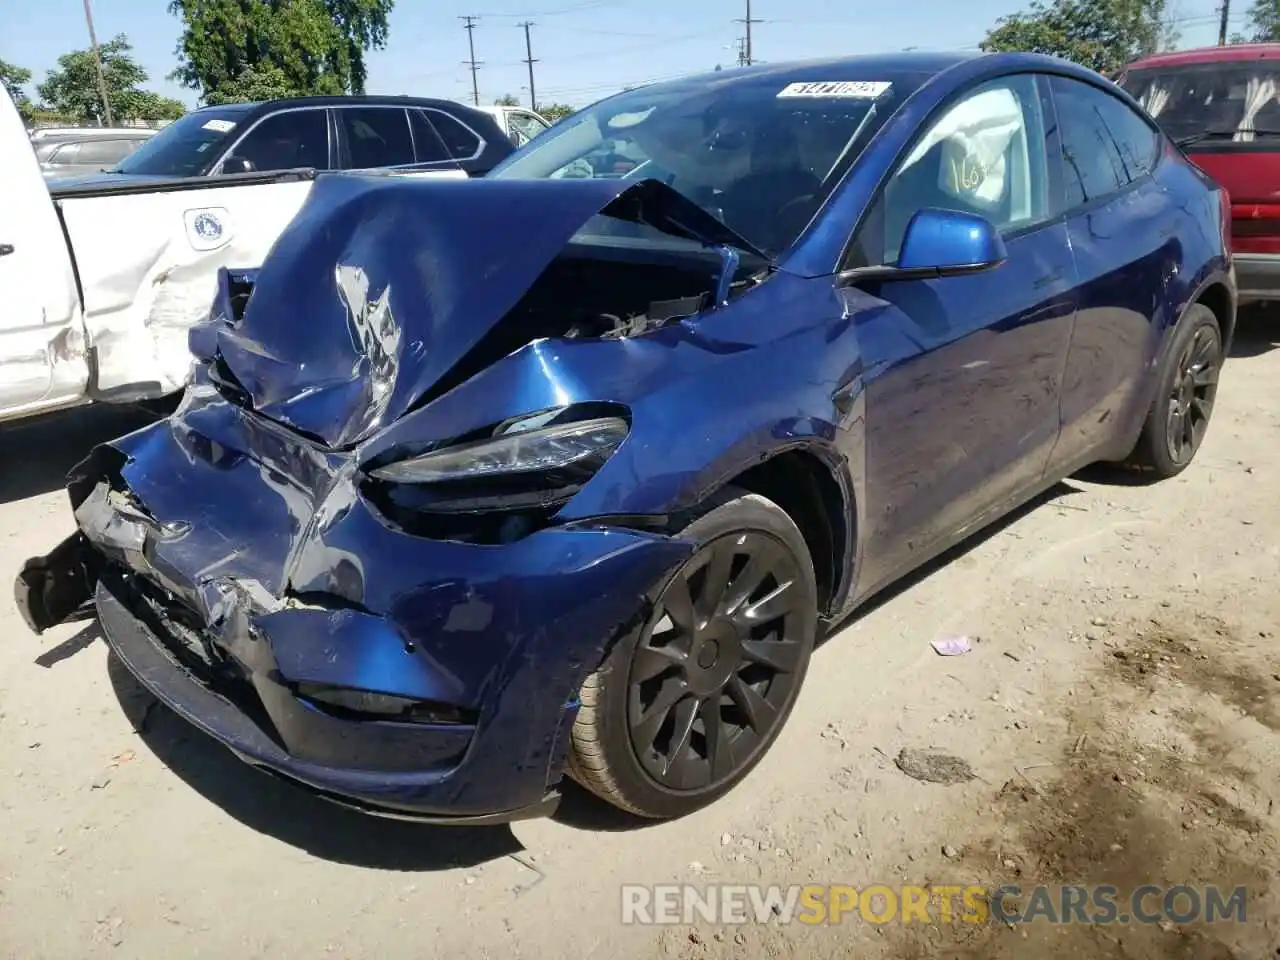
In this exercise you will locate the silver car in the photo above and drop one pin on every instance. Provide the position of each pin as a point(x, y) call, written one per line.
point(74, 153)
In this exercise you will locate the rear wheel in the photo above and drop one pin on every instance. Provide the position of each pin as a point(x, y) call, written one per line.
point(681, 710)
point(1188, 385)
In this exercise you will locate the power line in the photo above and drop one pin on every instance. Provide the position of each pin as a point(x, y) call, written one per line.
point(747, 21)
point(470, 23)
point(528, 51)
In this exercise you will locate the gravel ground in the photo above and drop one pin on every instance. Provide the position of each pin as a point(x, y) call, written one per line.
point(1119, 709)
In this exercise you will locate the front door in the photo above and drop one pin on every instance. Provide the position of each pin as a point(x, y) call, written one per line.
point(963, 373)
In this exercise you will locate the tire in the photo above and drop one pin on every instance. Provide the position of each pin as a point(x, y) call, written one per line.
point(1187, 384)
point(719, 688)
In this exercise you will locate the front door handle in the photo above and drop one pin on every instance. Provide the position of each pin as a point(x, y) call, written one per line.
point(6, 249)
point(1048, 279)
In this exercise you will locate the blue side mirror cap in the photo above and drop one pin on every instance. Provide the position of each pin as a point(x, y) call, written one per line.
point(950, 242)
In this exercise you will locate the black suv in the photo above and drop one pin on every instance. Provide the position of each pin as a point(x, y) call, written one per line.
point(324, 133)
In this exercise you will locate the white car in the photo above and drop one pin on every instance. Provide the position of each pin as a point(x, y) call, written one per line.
point(100, 281)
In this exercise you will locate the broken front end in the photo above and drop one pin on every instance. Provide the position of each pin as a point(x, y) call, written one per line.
point(347, 556)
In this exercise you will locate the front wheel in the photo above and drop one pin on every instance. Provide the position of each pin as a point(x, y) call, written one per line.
point(1187, 387)
point(682, 710)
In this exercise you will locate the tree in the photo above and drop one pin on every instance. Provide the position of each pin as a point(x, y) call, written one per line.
point(1101, 34)
point(282, 47)
point(14, 78)
point(72, 89)
point(506, 100)
point(263, 82)
point(1264, 22)
point(555, 111)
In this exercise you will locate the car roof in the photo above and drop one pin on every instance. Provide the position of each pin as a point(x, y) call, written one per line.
point(369, 100)
point(1230, 52)
point(917, 65)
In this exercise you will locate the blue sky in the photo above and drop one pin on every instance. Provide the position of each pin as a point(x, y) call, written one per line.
point(586, 48)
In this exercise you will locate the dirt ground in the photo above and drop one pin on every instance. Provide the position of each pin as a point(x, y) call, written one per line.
point(1120, 709)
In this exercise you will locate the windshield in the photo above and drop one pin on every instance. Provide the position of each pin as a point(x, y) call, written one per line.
point(760, 153)
point(1235, 99)
point(187, 147)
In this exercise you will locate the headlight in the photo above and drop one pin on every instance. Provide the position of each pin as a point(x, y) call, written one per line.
point(517, 451)
point(536, 461)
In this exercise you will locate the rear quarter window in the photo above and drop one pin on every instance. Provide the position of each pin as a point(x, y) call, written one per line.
point(463, 142)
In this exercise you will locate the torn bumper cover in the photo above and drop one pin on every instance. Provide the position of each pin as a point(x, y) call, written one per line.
point(407, 677)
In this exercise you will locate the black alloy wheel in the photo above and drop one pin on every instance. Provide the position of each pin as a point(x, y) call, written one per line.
point(718, 663)
point(686, 706)
point(1187, 384)
point(1195, 385)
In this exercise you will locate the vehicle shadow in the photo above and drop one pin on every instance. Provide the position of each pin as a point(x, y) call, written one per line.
point(1257, 331)
point(290, 814)
point(38, 453)
point(1056, 493)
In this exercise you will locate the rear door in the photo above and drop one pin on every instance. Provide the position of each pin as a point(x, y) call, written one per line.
point(962, 373)
point(42, 344)
point(1124, 229)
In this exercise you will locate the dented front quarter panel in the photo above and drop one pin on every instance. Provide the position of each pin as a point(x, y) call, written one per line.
point(295, 576)
point(256, 521)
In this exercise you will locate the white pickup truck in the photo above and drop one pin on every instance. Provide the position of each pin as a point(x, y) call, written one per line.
point(100, 280)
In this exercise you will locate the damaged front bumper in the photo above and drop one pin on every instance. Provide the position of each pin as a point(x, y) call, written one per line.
point(445, 694)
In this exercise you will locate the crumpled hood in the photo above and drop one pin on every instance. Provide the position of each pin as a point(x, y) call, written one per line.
point(381, 285)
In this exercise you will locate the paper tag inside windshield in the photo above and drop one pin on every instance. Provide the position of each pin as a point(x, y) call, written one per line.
point(219, 126)
point(846, 89)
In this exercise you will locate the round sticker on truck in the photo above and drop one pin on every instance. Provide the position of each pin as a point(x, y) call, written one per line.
point(207, 228)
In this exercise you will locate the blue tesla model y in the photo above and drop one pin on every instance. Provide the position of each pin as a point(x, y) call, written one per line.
point(479, 483)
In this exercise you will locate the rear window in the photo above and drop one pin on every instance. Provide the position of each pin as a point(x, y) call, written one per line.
point(1237, 101)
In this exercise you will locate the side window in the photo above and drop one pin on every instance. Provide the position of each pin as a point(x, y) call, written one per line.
point(292, 138)
point(105, 152)
point(525, 126)
point(65, 155)
point(427, 145)
point(1105, 145)
point(376, 136)
point(984, 155)
point(462, 142)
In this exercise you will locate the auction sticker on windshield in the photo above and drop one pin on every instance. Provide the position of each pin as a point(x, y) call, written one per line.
point(849, 89)
point(219, 126)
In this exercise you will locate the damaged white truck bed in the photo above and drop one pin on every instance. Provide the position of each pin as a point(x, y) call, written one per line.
point(99, 284)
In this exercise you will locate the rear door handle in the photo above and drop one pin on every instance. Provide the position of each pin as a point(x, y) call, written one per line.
point(6, 249)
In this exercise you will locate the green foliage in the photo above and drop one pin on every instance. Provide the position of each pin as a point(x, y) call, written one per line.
point(72, 89)
point(1264, 22)
point(555, 111)
point(13, 78)
point(1101, 34)
point(263, 82)
point(506, 100)
point(232, 50)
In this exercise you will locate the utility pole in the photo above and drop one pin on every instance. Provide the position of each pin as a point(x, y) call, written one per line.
point(97, 62)
point(747, 21)
point(742, 51)
point(470, 23)
point(528, 58)
point(1222, 25)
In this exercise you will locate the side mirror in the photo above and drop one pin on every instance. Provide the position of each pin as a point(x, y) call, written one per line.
point(234, 164)
point(939, 243)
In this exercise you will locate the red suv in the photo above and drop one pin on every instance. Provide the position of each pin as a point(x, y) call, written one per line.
point(1222, 106)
